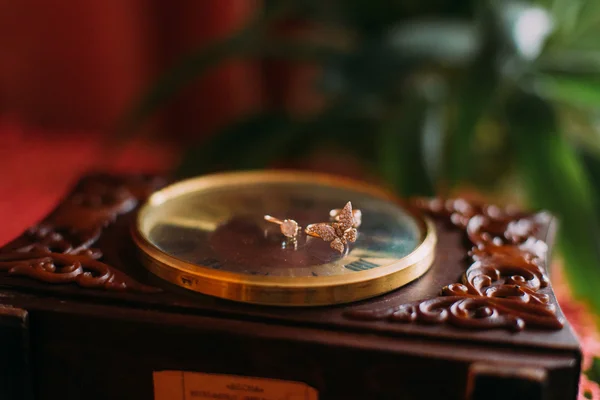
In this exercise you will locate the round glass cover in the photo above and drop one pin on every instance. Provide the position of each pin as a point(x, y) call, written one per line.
point(222, 227)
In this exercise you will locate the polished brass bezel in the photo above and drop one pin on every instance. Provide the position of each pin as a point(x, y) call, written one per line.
point(281, 291)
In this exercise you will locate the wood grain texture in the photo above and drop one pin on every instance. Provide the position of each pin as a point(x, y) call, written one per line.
point(15, 364)
point(109, 342)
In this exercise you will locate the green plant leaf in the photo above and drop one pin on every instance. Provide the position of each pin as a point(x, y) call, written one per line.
point(451, 42)
point(249, 143)
point(432, 138)
point(244, 42)
point(572, 90)
point(183, 74)
point(570, 61)
point(556, 180)
point(582, 128)
point(589, 17)
point(470, 104)
point(302, 49)
point(591, 162)
point(566, 14)
point(400, 150)
point(392, 143)
point(576, 22)
point(594, 372)
point(474, 93)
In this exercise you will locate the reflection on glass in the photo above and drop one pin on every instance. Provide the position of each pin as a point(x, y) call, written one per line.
point(224, 229)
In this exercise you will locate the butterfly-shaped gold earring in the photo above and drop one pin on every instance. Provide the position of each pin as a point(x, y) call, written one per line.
point(334, 216)
point(338, 233)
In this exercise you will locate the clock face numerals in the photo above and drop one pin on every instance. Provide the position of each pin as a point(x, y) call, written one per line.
point(223, 229)
point(211, 263)
point(360, 265)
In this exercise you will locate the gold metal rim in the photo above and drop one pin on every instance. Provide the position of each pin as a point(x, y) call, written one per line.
point(282, 291)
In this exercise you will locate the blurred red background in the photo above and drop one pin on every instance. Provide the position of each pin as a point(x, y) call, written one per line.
point(69, 69)
point(70, 64)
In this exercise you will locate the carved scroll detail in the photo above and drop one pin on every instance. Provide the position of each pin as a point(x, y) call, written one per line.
point(500, 289)
point(59, 250)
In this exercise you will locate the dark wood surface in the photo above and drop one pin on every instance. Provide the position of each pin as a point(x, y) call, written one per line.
point(15, 362)
point(100, 335)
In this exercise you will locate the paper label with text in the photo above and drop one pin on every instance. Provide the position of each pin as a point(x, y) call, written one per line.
point(181, 385)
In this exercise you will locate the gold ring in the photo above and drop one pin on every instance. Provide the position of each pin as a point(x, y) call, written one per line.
point(339, 233)
point(289, 227)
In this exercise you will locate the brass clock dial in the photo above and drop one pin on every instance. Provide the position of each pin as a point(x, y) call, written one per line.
point(208, 234)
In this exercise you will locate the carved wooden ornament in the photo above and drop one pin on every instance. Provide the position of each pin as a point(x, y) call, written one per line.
point(500, 289)
point(59, 250)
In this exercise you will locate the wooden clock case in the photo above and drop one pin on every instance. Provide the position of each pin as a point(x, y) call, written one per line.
point(80, 318)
